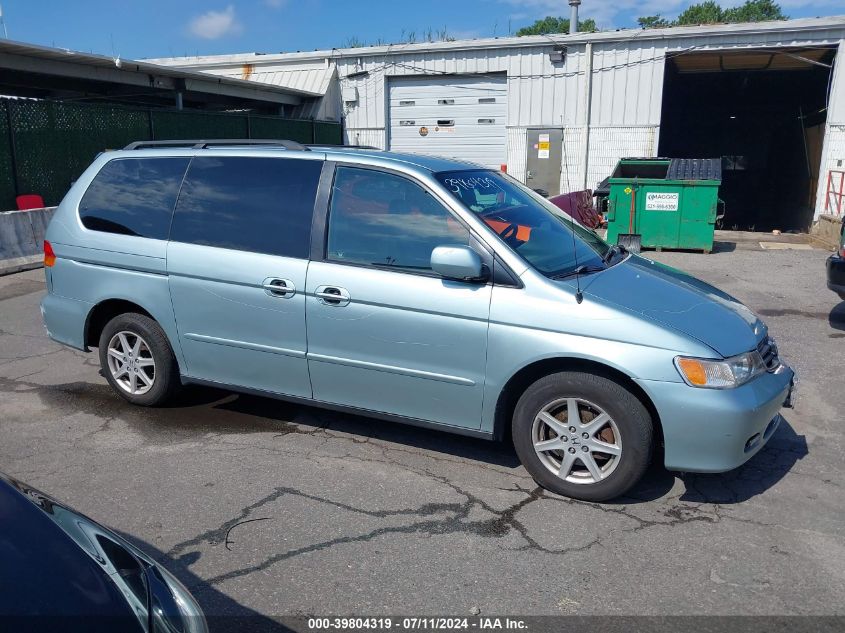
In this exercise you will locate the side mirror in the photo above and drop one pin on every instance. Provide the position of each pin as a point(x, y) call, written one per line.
point(460, 263)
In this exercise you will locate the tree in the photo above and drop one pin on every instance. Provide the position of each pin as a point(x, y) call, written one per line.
point(653, 22)
point(710, 12)
point(704, 13)
point(755, 11)
point(551, 24)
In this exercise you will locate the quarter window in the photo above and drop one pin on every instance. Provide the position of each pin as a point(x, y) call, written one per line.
point(261, 205)
point(133, 196)
point(382, 219)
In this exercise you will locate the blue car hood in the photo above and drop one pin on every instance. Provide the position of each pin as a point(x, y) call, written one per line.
point(677, 300)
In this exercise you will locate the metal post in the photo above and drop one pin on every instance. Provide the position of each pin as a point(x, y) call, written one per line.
point(827, 191)
point(841, 193)
point(178, 100)
point(573, 16)
point(13, 153)
point(588, 108)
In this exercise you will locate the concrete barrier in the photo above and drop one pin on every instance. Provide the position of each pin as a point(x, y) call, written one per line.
point(22, 239)
point(827, 231)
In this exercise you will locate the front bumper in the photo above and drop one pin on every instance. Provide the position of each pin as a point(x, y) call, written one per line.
point(836, 275)
point(715, 430)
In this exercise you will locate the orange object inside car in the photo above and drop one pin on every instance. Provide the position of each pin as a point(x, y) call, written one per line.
point(523, 233)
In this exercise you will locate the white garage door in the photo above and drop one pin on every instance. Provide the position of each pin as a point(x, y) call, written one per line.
point(456, 117)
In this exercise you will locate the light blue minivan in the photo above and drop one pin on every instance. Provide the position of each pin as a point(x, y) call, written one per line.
point(408, 288)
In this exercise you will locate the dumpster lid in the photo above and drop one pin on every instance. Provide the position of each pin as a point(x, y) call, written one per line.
point(603, 188)
point(660, 168)
point(695, 169)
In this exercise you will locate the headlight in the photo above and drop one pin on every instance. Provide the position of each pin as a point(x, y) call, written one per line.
point(174, 609)
point(720, 374)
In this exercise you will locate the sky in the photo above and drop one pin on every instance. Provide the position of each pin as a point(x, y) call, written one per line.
point(164, 28)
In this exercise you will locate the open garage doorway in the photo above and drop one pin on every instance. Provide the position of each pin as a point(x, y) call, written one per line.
point(763, 112)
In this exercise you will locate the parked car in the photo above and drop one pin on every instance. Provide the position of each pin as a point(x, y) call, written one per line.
point(836, 268)
point(410, 288)
point(62, 571)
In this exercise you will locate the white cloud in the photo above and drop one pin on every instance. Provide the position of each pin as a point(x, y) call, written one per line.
point(806, 4)
point(215, 24)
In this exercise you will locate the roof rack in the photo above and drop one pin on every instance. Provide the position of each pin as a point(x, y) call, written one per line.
point(340, 146)
point(204, 144)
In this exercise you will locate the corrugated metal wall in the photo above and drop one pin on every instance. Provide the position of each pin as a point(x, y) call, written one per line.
point(621, 78)
point(833, 150)
point(626, 96)
point(834, 160)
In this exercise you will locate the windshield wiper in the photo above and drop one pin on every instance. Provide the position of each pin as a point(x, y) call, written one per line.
point(616, 249)
point(580, 270)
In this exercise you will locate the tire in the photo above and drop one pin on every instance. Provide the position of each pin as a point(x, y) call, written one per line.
point(614, 420)
point(154, 376)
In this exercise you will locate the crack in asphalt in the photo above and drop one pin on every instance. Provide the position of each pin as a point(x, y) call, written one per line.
point(429, 517)
point(226, 540)
point(456, 521)
point(502, 523)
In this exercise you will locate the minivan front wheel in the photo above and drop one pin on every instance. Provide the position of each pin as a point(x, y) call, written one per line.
point(582, 435)
point(137, 360)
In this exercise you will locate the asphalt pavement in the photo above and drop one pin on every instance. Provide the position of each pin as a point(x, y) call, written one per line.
point(263, 507)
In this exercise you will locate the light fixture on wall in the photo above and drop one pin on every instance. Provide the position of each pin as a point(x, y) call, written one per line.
point(558, 55)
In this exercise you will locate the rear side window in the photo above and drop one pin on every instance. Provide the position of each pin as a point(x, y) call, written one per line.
point(133, 196)
point(261, 205)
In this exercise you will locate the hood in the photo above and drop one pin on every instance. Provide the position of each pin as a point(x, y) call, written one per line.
point(46, 573)
point(672, 298)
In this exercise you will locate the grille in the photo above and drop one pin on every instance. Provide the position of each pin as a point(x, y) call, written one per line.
point(769, 352)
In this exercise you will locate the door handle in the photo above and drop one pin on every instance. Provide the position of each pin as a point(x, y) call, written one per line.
point(332, 295)
point(278, 287)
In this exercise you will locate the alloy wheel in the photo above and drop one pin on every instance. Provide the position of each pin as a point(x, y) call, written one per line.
point(576, 440)
point(131, 363)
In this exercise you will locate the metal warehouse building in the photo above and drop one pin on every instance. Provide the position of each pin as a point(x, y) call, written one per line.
point(559, 111)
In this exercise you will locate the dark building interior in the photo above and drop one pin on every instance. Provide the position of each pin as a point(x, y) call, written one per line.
point(763, 113)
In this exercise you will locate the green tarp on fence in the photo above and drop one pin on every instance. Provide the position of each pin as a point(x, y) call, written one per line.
point(46, 145)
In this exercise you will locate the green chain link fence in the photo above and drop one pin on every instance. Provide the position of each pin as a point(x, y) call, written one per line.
point(46, 145)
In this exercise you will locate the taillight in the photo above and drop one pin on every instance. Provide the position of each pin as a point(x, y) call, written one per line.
point(842, 251)
point(49, 255)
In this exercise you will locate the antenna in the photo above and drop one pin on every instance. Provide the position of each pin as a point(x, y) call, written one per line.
point(579, 296)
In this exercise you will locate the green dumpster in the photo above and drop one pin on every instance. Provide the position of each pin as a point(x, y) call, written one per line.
point(670, 202)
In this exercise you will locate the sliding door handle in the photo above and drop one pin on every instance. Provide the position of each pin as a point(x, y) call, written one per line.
point(277, 287)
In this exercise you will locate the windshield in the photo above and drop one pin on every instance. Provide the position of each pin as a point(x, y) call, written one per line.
point(525, 221)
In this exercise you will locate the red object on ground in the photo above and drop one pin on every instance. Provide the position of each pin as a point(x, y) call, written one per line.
point(29, 201)
point(579, 205)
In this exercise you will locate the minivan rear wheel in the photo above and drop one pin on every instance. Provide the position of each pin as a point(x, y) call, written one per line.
point(137, 360)
point(582, 435)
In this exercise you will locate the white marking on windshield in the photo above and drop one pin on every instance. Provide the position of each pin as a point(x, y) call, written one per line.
point(472, 183)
